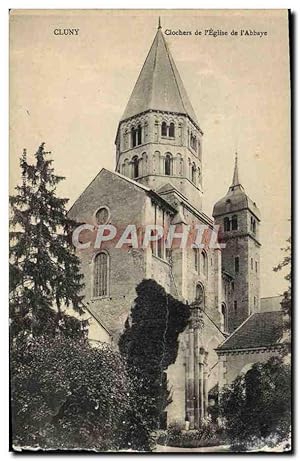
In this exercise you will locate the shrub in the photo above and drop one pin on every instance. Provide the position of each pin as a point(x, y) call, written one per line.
point(257, 406)
point(67, 395)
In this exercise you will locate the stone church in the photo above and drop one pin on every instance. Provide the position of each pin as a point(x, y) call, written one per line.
point(158, 180)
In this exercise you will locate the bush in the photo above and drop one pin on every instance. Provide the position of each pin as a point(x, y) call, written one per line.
point(257, 406)
point(67, 395)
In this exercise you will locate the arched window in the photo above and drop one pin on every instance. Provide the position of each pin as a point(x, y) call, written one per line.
point(139, 135)
point(237, 264)
point(100, 279)
point(124, 170)
point(225, 317)
point(135, 167)
point(203, 263)
point(234, 223)
point(168, 165)
point(136, 136)
point(194, 173)
point(196, 259)
point(200, 295)
point(226, 224)
point(172, 130)
point(133, 141)
point(193, 142)
point(235, 306)
point(164, 129)
point(199, 175)
point(125, 137)
point(253, 225)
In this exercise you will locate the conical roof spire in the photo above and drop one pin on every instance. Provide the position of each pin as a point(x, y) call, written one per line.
point(236, 198)
point(235, 179)
point(159, 86)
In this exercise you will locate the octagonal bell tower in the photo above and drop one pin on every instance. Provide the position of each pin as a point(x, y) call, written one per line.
point(159, 140)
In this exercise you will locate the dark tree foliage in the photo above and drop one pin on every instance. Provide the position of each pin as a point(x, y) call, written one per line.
point(257, 406)
point(150, 344)
point(285, 264)
point(44, 270)
point(286, 303)
point(68, 395)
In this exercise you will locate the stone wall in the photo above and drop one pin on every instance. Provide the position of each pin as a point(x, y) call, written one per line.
point(233, 364)
point(126, 265)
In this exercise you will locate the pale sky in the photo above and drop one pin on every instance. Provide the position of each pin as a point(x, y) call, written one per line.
point(70, 92)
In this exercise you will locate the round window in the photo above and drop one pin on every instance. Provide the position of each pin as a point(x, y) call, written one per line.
point(102, 215)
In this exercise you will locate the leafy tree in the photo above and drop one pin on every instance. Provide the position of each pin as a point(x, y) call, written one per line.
point(68, 395)
point(286, 263)
point(286, 303)
point(44, 270)
point(150, 344)
point(257, 405)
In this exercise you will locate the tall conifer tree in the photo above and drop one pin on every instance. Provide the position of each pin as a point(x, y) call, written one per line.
point(44, 269)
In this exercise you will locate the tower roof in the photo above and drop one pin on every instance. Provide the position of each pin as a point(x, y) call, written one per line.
point(235, 179)
point(159, 86)
point(236, 198)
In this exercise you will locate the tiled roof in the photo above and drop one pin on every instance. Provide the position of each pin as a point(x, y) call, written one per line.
point(91, 309)
point(262, 329)
point(159, 86)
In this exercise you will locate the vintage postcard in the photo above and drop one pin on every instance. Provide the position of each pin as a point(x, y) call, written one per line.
point(150, 240)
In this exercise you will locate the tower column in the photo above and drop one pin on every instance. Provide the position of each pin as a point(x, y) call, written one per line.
point(162, 163)
point(201, 383)
point(205, 387)
point(197, 395)
point(190, 378)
